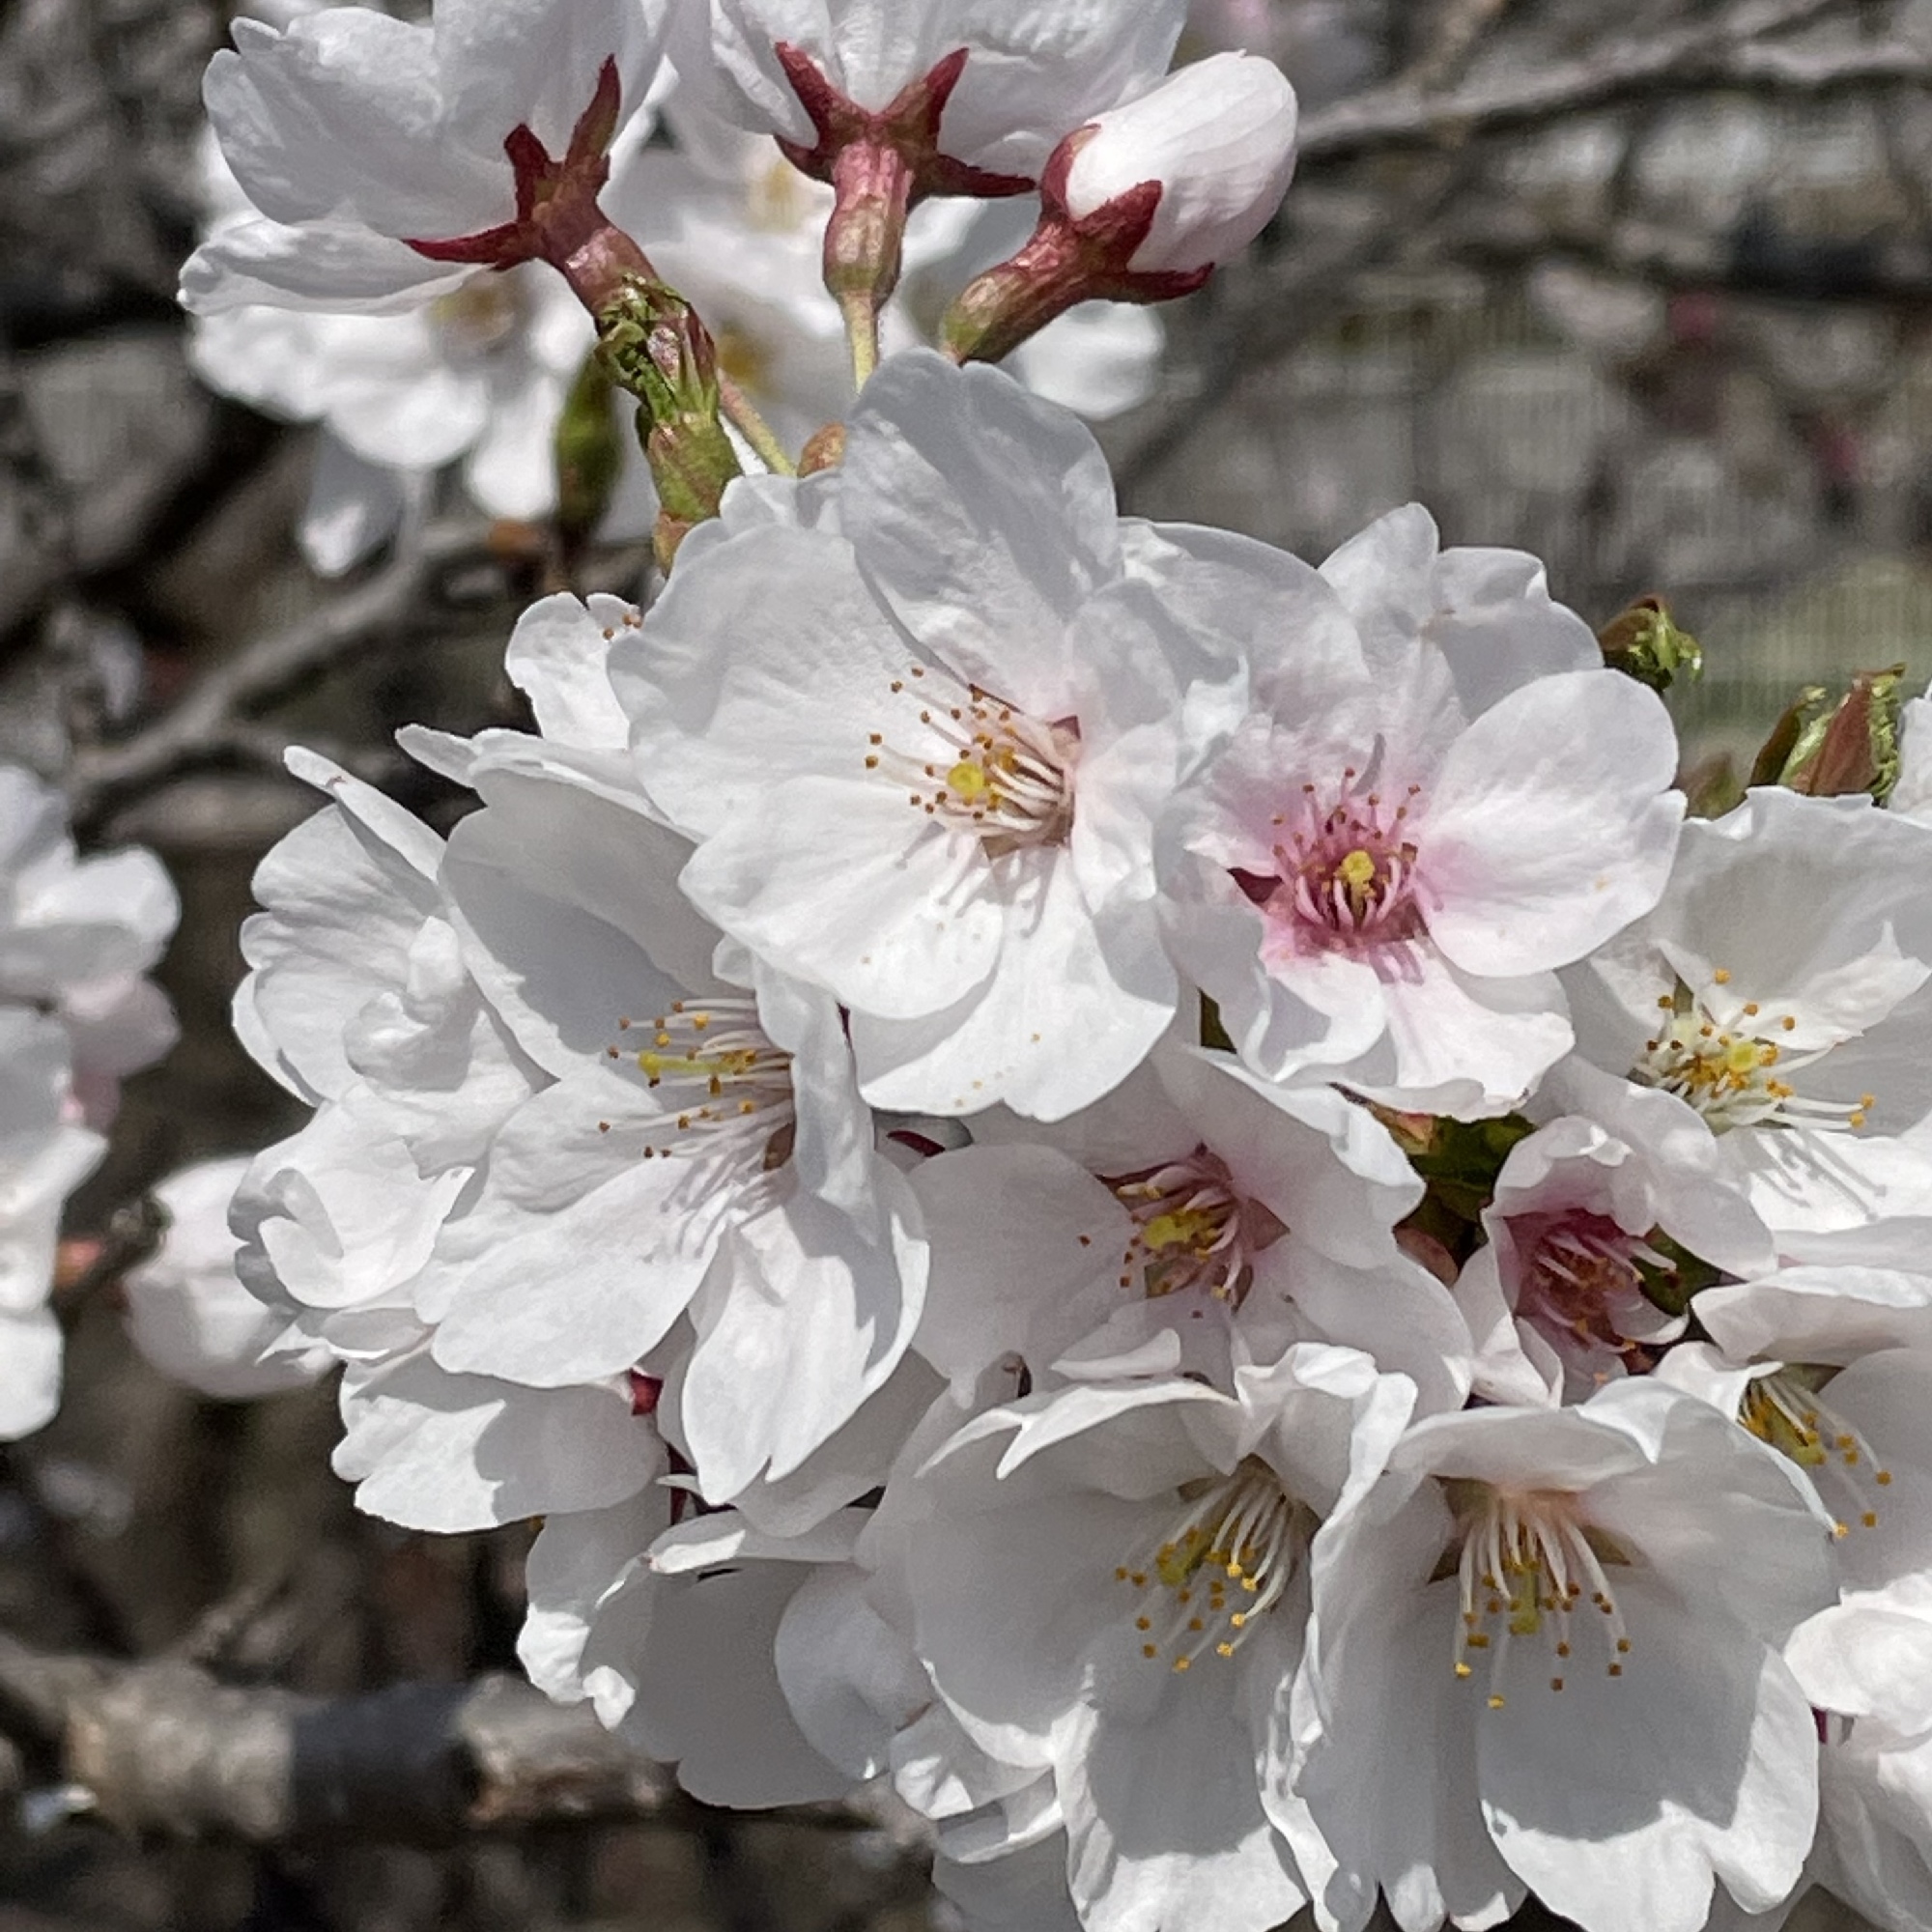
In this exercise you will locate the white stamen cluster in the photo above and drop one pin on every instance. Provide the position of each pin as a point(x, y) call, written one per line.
point(1224, 1564)
point(730, 1084)
point(987, 767)
point(1530, 1566)
point(1722, 1055)
point(1785, 1411)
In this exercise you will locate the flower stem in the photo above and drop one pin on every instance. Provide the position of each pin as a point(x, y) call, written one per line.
point(862, 330)
point(753, 428)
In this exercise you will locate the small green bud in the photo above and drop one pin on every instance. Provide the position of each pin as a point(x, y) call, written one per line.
point(1837, 751)
point(1643, 643)
point(654, 345)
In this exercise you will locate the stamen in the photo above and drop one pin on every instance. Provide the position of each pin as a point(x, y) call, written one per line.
point(1582, 1283)
point(1786, 1410)
point(1194, 1231)
point(1715, 1054)
point(1524, 1564)
point(1345, 866)
point(727, 1086)
point(1242, 1530)
point(988, 767)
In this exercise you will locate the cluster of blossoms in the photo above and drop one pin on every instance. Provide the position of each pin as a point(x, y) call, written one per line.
point(1154, 1190)
point(77, 938)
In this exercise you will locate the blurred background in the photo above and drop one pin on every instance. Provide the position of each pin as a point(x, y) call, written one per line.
point(1645, 288)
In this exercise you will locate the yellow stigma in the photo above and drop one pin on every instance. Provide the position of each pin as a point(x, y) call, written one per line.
point(1183, 1228)
point(969, 781)
point(1357, 871)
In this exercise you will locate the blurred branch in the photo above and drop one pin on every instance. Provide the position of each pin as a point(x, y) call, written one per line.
point(1251, 318)
point(1734, 50)
point(164, 1747)
point(210, 724)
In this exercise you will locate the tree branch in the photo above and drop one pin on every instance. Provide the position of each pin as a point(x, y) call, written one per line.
point(207, 725)
point(1731, 52)
point(164, 1748)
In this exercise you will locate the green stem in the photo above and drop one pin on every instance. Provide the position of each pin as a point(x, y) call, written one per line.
point(753, 428)
point(862, 330)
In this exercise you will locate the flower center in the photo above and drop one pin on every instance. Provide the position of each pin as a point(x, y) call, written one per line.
point(780, 200)
point(1786, 1410)
point(1530, 1567)
point(480, 316)
point(1344, 866)
point(1227, 1559)
point(1723, 1057)
point(984, 766)
point(1582, 1281)
point(730, 1086)
point(1193, 1230)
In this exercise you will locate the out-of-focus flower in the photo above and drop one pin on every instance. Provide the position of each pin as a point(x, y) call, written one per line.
point(43, 1157)
point(77, 1012)
point(188, 1311)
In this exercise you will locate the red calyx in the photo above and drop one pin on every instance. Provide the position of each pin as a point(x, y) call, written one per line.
point(907, 127)
point(1107, 241)
point(557, 219)
point(1067, 259)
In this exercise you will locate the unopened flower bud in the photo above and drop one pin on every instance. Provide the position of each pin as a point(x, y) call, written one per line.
point(654, 346)
point(1219, 138)
point(1142, 203)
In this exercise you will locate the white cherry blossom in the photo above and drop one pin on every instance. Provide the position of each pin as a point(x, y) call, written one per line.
point(1778, 994)
point(1560, 1296)
point(1196, 1219)
point(1377, 876)
point(1111, 1583)
point(356, 134)
point(1534, 1670)
point(925, 779)
point(1031, 74)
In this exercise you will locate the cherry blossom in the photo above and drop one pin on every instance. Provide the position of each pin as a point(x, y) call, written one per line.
point(939, 809)
point(1526, 1608)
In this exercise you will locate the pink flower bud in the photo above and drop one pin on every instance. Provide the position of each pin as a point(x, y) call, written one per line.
point(1219, 138)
